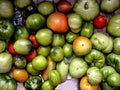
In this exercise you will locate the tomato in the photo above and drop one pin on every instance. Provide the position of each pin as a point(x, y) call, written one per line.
point(20, 75)
point(64, 6)
point(100, 21)
point(81, 46)
point(45, 7)
point(33, 39)
point(31, 55)
point(85, 85)
point(44, 50)
point(11, 48)
point(58, 22)
point(39, 63)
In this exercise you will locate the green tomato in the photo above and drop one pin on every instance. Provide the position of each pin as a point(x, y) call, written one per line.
point(19, 61)
point(39, 63)
point(34, 22)
point(109, 6)
point(87, 29)
point(114, 79)
point(33, 83)
point(21, 32)
point(6, 61)
point(2, 45)
point(74, 21)
point(23, 46)
point(31, 70)
point(58, 40)
point(6, 29)
point(106, 86)
point(54, 77)
point(44, 50)
point(106, 71)
point(47, 85)
point(76, 69)
point(67, 48)
point(7, 83)
point(116, 45)
point(44, 36)
point(70, 36)
point(57, 53)
point(95, 58)
point(114, 25)
point(6, 9)
point(88, 9)
point(45, 7)
point(102, 42)
point(94, 75)
point(22, 3)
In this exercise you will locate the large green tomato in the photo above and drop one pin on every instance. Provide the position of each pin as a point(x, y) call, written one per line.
point(109, 6)
point(102, 42)
point(7, 83)
point(6, 29)
point(95, 58)
point(57, 53)
point(44, 36)
point(23, 46)
point(88, 9)
point(6, 62)
point(114, 25)
point(34, 22)
point(39, 63)
point(94, 75)
point(54, 77)
point(76, 69)
point(6, 9)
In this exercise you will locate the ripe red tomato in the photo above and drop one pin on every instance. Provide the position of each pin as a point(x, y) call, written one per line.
point(31, 55)
point(64, 6)
point(58, 22)
point(11, 48)
point(100, 21)
point(33, 39)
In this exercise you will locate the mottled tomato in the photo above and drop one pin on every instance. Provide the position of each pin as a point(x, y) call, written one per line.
point(64, 6)
point(31, 55)
point(85, 85)
point(100, 21)
point(11, 49)
point(33, 39)
point(58, 22)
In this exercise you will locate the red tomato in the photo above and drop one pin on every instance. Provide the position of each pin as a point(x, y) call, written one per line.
point(58, 22)
point(100, 21)
point(64, 6)
point(31, 55)
point(33, 39)
point(11, 48)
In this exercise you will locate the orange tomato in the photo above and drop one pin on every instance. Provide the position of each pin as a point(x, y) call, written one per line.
point(20, 75)
point(85, 85)
point(58, 22)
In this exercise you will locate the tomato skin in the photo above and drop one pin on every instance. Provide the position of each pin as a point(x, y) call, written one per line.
point(11, 48)
point(31, 55)
point(100, 21)
point(64, 6)
point(58, 22)
point(33, 39)
point(85, 85)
